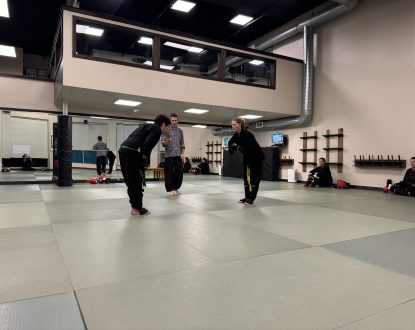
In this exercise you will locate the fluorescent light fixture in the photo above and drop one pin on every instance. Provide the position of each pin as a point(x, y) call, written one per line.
point(4, 9)
point(256, 62)
point(149, 122)
point(85, 29)
point(197, 111)
point(7, 51)
point(162, 66)
point(184, 6)
point(145, 41)
point(241, 19)
point(184, 47)
point(199, 126)
point(136, 110)
point(250, 117)
point(98, 117)
point(127, 103)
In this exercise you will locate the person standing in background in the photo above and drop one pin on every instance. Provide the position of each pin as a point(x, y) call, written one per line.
point(173, 143)
point(101, 153)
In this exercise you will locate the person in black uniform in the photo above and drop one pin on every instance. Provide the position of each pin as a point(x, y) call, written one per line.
point(407, 186)
point(134, 156)
point(245, 142)
point(320, 176)
point(204, 166)
point(111, 159)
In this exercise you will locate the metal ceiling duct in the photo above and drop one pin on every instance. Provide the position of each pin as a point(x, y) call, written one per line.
point(305, 27)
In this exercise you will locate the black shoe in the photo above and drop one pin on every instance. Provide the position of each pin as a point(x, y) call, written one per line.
point(144, 211)
point(242, 201)
point(249, 201)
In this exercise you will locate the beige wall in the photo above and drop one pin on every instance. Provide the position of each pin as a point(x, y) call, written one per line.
point(364, 83)
point(23, 93)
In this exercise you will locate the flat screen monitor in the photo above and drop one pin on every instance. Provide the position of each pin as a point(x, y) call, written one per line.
point(278, 138)
point(226, 140)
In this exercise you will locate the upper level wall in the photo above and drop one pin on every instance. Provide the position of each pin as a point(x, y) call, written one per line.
point(23, 93)
point(81, 73)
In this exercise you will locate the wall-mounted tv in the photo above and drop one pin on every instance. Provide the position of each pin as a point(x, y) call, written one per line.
point(226, 140)
point(277, 138)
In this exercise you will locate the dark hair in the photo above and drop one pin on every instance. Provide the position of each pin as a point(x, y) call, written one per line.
point(323, 159)
point(413, 158)
point(240, 122)
point(99, 138)
point(204, 159)
point(174, 115)
point(162, 119)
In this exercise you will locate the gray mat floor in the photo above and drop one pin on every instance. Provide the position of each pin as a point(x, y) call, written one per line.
point(74, 258)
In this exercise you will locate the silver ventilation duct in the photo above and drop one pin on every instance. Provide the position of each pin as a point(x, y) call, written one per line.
point(308, 85)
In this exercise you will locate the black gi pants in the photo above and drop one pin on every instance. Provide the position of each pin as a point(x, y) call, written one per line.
point(252, 178)
point(130, 168)
point(173, 173)
point(101, 164)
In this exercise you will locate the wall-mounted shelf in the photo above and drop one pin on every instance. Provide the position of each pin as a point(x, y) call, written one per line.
point(306, 150)
point(372, 163)
point(286, 162)
point(338, 148)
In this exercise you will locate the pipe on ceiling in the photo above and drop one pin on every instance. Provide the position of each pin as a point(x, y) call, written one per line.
point(306, 27)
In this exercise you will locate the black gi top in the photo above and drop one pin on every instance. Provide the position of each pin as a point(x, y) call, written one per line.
point(324, 174)
point(143, 140)
point(248, 146)
point(409, 177)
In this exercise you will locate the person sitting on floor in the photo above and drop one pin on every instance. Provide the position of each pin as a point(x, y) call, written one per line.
point(187, 165)
point(27, 163)
point(407, 186)
point(320, 176)
point(204, 166)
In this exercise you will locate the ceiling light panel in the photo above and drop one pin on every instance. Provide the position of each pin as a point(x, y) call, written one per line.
point(127, 103)
point(199, 126)
point(145, 41)
point(256, 62)
point(196, 111)
point(184, 47)
point(241, 19)
point(8, 51)
point(4, 9)
point(184, 6)
point(250, 117)
point(85, 29)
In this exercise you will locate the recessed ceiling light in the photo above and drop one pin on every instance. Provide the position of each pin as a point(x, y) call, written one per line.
point(7, 51)
point(241, 19)
point(85, 29)
point(184, 6)
point(256, 62)
point(185, 47)
point(145, 41)
point(199, 126)
point(98, 117)
point(136, 110)
point(162, 66)
point(250, 116)
point(127, 103)
point(4, 9)
point(197, 111)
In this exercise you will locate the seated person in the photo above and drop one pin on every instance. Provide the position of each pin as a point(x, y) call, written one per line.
point(320, 176)
point(27, 163)
point(407, 186)
point(204, 166)
point(187, 165)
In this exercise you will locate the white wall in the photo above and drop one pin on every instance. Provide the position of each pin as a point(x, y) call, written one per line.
point(364, 83)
